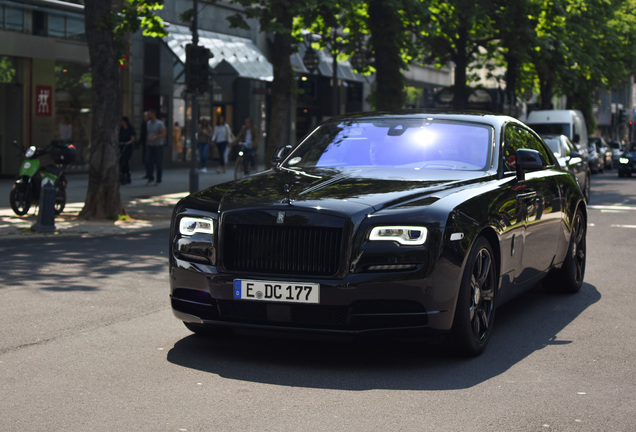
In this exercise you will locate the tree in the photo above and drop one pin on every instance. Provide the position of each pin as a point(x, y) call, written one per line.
point(276, 17)
point(382, 29)
point(389, 41)
point(459, 31)
point(106, 24)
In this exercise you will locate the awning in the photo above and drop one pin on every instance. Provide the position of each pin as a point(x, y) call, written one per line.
point(325, 66)
point(240, 54)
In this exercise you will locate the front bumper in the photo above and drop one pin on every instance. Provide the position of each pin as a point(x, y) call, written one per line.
point(358, 304)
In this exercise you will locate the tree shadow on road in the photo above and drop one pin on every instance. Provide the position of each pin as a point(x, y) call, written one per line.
point(66, 264)
point(527, 324)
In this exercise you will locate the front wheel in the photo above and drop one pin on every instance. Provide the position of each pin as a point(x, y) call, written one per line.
point(475, 309)
point(569, 278)
point(20, 198)
point(239, 171)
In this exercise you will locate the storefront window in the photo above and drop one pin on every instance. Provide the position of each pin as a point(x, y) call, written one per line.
point(56, 26)
point(75, 28)
point(14, 19)
point(73, 102)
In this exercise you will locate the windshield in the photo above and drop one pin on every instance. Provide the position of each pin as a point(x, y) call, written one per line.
point(553, 144)
point(402, 143)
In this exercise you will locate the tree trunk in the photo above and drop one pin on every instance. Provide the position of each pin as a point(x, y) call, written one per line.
point(546, 86)
point(102, 197)
point(281, 90)
point(386, 30)
point(460, 97)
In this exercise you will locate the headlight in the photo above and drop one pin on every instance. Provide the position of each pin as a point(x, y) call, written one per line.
point(404, 235)
point(30, 151)
point(623, 160)
point(189, 226)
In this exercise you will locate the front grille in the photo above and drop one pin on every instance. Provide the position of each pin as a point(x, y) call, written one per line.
point(290, 250)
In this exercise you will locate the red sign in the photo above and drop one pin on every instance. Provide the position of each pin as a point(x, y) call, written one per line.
point(43, 100)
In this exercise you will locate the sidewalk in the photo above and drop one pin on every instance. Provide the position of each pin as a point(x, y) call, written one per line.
point(148, 206)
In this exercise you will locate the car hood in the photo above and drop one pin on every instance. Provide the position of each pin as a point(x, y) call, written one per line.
point(339, 191)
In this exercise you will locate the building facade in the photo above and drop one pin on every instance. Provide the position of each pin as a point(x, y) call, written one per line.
point(45, 80)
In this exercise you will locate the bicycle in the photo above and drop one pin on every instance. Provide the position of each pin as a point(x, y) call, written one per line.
point(242, 163)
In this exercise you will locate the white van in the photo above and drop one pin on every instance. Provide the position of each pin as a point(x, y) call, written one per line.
point(560, 122)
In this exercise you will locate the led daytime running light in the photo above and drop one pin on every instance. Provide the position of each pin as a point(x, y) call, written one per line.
point(404, 235)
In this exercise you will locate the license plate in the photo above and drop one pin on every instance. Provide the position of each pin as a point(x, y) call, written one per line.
point(290, 292)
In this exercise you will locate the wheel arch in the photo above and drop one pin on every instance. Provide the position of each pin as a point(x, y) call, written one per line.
point(491, 236)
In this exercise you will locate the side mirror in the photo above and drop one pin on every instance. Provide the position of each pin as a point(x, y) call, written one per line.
point(574, 154)
point(528, 160)
point(280, 153)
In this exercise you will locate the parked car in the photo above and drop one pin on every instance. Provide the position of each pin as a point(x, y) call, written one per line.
point(594, 160)
point(627, 161)
point(604, 151)
point(571, 159)
point(617, 151)
point(406, 222)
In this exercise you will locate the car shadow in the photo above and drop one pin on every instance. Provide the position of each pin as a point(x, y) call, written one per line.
point(525, 325)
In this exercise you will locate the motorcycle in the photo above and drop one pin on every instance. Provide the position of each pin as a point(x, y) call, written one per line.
point(39, 166)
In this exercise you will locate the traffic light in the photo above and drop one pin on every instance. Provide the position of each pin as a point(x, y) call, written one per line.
point(197, 68)
point(621, 116)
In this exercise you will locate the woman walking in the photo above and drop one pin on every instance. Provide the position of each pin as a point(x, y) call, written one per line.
point(221, 136)
point(203, 141)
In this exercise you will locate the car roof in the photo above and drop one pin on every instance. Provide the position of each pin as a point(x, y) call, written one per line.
point(470, 116)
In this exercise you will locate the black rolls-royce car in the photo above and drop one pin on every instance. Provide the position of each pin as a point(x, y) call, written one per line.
point(387, 222)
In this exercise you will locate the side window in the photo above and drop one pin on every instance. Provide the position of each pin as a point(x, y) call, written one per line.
point(519, 138)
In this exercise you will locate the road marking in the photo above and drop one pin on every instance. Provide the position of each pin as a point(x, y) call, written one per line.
point(623, 226)
point(611, 208)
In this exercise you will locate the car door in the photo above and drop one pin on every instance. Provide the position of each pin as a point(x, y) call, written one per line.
point(538, 198)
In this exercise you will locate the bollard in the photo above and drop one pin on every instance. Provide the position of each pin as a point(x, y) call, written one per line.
point(46, 211)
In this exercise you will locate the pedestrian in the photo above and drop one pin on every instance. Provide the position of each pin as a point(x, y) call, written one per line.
point(177, 145)
point(221, 137)
point(248, 138)
point(156, 139)
point(126, 141)
point(204, 134)
point(143, 137)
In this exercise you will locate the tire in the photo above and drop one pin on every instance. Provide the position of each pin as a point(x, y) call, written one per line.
point(475, 309)
point(239, 169)
point(20, 197)
point(60, 199)
point(569, 278)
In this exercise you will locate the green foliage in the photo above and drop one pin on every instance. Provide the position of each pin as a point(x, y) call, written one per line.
point(136, 15)
point(7, 70)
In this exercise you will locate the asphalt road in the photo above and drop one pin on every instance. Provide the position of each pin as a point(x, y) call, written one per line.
point(89, 344)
